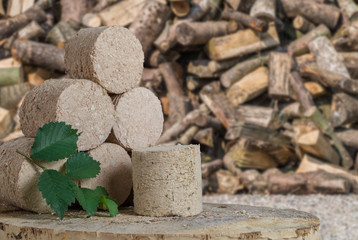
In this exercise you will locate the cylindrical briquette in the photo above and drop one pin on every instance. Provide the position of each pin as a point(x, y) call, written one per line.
point(81, 103)
point(138, 120)
point(18, 177)
point(109, 56)
point(116, 171)
point(167, 180)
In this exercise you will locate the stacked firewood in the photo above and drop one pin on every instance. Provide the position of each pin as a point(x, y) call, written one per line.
point(266, 87)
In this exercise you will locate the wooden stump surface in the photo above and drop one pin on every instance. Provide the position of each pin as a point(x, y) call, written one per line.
point(217, 221)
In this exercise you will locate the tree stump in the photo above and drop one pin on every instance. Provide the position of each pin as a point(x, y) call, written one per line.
point(217, 221)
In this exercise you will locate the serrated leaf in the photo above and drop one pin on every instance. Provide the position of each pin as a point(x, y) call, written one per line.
point(101, 191)
point(58, 190)
point(88, 199)
point(110, 205)
point(81, 165)
point(54, 141)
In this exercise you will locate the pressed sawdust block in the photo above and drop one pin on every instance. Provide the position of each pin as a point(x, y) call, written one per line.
point(138, 120)
point(116, 171)
point(109, 56)
point(81, 103)
point(167, 180)
point(19, 177)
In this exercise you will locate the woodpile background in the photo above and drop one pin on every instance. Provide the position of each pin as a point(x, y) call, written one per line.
point(268, 88)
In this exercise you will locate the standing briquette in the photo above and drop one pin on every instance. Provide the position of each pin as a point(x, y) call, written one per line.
point(81, 103)
point(116, 171)
point(19, 177)
point(110, 56)
point(138, 120)
point(167, 180)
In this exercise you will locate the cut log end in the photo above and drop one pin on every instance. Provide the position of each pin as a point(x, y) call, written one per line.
point(80, 103)
point(139, 119)
point(110, 56)
point(116, 171)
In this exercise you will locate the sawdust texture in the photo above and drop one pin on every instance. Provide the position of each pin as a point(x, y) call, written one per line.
point(110, 56)
point(81, 103)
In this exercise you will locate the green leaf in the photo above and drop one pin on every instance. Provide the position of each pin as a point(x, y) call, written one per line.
point(58, 190)
point(110, 205)
point(88, 199)
point(81, 165)
point(54, 141)
point(101, 191)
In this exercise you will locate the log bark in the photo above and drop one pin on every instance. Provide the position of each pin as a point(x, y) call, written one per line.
point(246, 20)
point(19, 177)
point(311, 164)
point(286, 183)
point(241, 69)
point(302, 24)
point(241, 43)
point(81, 103)
point(279, 72)
point(196, 33)
point(314, 12)
point(188, 135)
point(39, 54)
point(345, 39)
point(123, 63)
point(245, 6)
point(11, 25)
point(315, 143)
point(148, 25)
point(326, 56)
point(249, 87)
point(209, 168)
point(205, 137)
point(349, 137)
point(304, 97)
point(16, 7)
point(179, 104)
point(122, 13)
point(151, 78)
point(350, 60)
point(11, 95)
point(131, 116)
point(60, 33)
point(246, 156)
point(219, 66)
point(75, 9)
point(326, 183)
point(349, 7)
point(6, 123)
point(219, 104)
point(167, 38)
point(344, 109)
point(10, 72)
point(116, 172)
point(330, 79)
point(200, 68)
point(260, 116)
point(154, 194)
point(194, 83)
point(228, 183)
point(325, 126)
point(300, 46)
point(264, 10)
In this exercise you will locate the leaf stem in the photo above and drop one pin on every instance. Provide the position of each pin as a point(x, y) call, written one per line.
point(30, 160)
